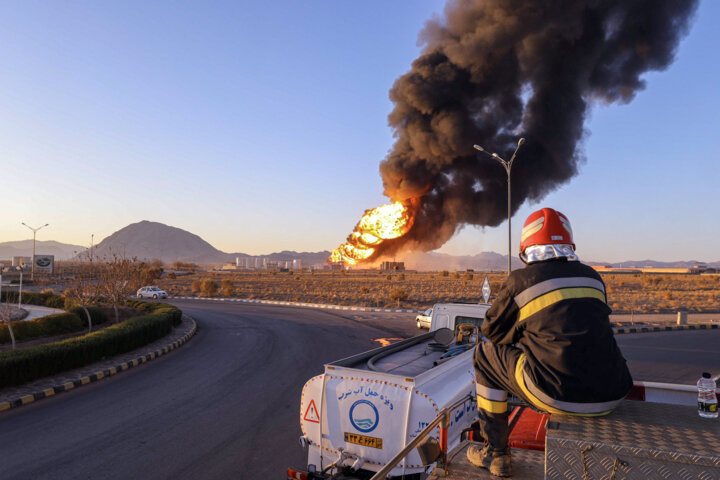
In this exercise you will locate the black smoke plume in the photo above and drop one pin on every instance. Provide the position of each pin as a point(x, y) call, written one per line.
point(492, 71)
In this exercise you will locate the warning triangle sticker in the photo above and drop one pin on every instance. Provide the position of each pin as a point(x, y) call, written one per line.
point(311, 414)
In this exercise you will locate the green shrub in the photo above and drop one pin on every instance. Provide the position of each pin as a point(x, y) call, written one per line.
point(158, 307)
point(22, 366)
point(44, 299)
point(48, 325)
point(55, 301)
point(57, 324)
point(96, 314)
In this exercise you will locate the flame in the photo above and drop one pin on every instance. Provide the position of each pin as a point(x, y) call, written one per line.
point(385, 222)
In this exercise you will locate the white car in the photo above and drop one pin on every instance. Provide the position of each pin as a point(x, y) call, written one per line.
point(424, 319)
point(151, 292)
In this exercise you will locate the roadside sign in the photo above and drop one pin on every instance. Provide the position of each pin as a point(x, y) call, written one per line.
point(486, 290)
point(44, 263)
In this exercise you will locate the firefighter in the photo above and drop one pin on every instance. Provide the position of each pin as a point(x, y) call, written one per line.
point(550, 341)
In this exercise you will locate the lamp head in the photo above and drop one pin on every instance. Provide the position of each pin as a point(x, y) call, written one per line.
point(478, 148)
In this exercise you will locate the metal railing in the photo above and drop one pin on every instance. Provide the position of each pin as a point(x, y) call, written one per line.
point(443, 418)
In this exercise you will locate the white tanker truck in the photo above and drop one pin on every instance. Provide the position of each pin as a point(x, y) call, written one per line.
point(366, 408)
point(406, 411)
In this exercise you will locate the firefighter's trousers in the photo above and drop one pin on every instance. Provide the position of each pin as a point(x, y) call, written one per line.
point(499, 370)
point(495, 377)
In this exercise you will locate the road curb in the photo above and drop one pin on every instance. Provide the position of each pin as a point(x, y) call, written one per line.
point(300, 304)
point(665, 328)
point(99, 375)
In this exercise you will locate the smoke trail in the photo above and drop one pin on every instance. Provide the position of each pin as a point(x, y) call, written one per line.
point(492, 71)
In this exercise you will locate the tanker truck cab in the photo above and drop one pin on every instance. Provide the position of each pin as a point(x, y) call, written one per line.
point(365, 409)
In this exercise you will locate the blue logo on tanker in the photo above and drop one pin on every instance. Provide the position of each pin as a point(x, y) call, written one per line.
point(364, 416)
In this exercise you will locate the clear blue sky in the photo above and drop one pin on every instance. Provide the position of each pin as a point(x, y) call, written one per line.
point(260, 126)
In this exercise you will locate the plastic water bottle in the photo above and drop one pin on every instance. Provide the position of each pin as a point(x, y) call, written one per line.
point(707, 400)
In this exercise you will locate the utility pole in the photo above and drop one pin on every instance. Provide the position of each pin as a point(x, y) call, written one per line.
point(92, 243)
point(34, 230)
point(508, 167)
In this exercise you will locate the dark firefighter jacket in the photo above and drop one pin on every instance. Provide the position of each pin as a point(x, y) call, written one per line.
point(556, 312)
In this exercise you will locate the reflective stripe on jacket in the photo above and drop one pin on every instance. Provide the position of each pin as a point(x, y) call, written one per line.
point(556, 312)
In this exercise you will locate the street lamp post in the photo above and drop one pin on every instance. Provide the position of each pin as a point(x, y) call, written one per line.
point(508, 167)
point(34, 230)
point(20, 290)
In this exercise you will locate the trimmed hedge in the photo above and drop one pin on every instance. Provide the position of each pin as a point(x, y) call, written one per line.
point(34, 298)
point(22, 366)
point(96, 314)
point(74, 320)
point(159, 308)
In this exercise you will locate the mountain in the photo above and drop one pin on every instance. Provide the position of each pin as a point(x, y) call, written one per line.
point(23, 248)
point(150, 240)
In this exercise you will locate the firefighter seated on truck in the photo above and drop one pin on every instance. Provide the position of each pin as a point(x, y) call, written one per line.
point(550, 341)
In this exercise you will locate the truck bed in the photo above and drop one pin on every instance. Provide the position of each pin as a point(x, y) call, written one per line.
point(638, 440)
point(527, 465)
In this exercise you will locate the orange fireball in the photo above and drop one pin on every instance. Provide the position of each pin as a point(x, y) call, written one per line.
point(376, 225)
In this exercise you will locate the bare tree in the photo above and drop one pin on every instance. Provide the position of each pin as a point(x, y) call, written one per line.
point(6, 317)
point(85, 289)
point(119, 277)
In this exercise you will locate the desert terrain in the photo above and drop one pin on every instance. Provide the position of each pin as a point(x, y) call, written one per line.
point(627, 293)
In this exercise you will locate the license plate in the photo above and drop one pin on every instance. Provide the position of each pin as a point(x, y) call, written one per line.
point(363, 440)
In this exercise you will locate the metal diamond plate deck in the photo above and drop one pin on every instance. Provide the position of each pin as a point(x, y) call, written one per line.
point(639, 440)
point(527, 465)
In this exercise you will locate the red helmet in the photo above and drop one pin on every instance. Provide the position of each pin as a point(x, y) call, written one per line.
point(546, 227)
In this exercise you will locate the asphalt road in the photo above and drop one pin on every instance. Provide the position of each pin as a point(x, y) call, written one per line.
point(226, 404)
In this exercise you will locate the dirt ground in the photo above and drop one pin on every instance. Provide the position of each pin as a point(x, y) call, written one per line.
point(627, 293)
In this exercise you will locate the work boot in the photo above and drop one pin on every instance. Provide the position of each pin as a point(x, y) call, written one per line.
point(498, 463)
